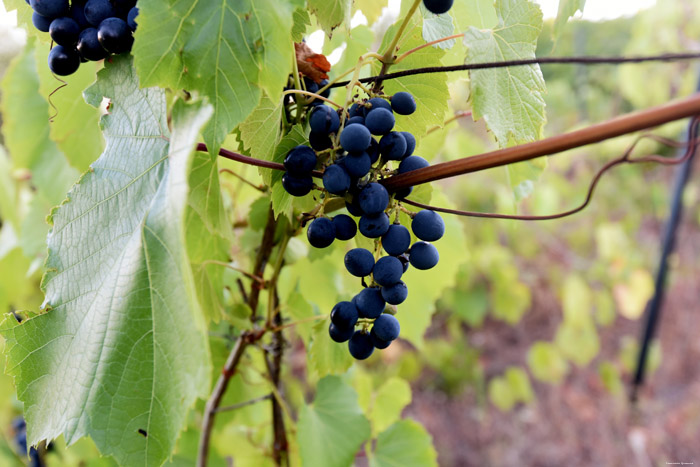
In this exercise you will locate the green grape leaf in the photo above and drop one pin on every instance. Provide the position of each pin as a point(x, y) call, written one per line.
point(301, 22)
point(546, 362)
point(229, 53)
point(299, 309)
point(327, 357)
point(208, 233)
point(331, 430)
point(436, 27)
point(567, 9)
point(430, 91)
point(415, 313)
point(121, 348)
point(26, 129)
point(510, 100)
point(389, 401)
point(75, 126)
point(405, 443)
point(478, 13)
point(261, 131)
point(331, 13)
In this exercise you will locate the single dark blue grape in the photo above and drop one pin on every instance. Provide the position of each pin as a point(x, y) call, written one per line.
point(403, 103)
point(380, 121)
point(345, 227)
point(300, 160)
point(64, 31)
point(115, 36)
point(320, 141)
point(412, 163)
point(403, 192)
point(357, 119)
point(369, 302)
point(310, 84)
point(353, 206)
point(373, 151)
point(42, 23)
point(97, 11)
point(324, 120)
point(297, 185)
point(423, 255)
point(77, 12)
point(374, 198)
point(131, 18)
point(344, 315)
point(410, 143)
point(377, 103)
point(50, 8)
point(63, 61)
point(396, 240)
point(356, 110)
point(89, 47)
point(395, 294)
point(355, 137)
point(360, 345)
point(393, 146)
point(428, 225)
point(357, 164)
point(340, 334)
point(336, 179)
point(386, 327)
point(327, 92)
point(377, 342)
point(374, 226)
point(359, 262)
point(387, 271)
point(438, 7)
point(321, 232)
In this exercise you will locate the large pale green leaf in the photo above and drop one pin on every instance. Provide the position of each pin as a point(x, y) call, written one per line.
point(26, 130)
point(120, 352)
point(331, 430)
point(546, 362)
point(331, 13)
point(229, 51)
point(436, 27)
point(405, 444)
point(430, 91)
point(358, 42)
point(509, 99)
point(567, 9)
point(261, 131)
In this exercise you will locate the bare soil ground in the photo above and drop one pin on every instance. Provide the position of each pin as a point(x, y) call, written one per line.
point(580, 423)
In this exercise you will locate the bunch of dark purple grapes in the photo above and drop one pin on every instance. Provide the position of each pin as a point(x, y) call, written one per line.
point(353, 164)
point(85, 30)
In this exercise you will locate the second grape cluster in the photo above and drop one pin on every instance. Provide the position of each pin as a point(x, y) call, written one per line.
point(343, 144)
point(84, 30)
